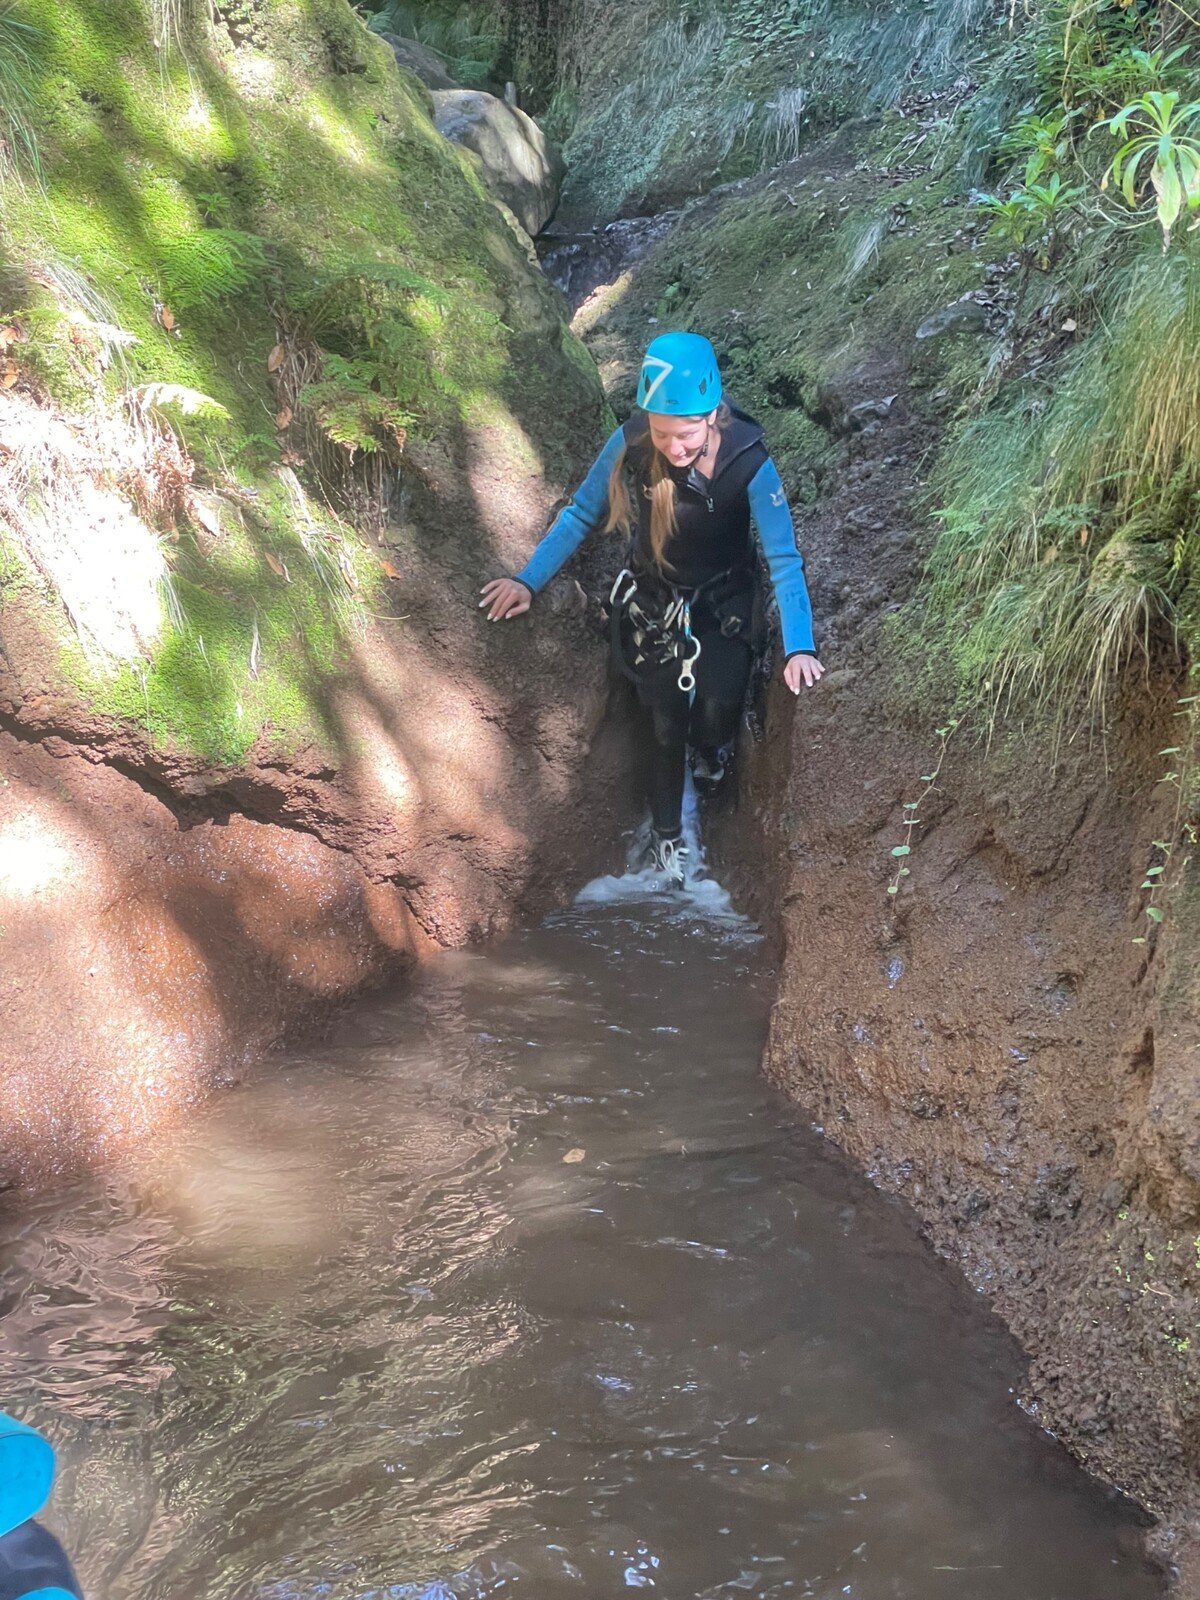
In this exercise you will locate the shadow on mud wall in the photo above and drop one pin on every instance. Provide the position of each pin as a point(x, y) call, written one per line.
point(183, 916)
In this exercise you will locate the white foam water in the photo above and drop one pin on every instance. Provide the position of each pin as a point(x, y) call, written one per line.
point(700, 892)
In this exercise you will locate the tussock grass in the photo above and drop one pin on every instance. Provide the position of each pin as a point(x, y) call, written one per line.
point(19, 40)
point(1068, 542)
point(716, 91)
point(69, 497)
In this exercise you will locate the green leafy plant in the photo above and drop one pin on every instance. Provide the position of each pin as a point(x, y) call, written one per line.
point(1159, 150)
point(347, 289)
point(912, 808)
point(1035, 216)
point(351, 409)
point(1125, 75)
point(1091, 62)
point(1041, 142)
point(203, 268)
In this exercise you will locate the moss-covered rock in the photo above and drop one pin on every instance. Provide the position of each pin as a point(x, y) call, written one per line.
point(254, 212)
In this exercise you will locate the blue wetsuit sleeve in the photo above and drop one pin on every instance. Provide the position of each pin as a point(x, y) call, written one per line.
point(583, 515)
point(777, 536)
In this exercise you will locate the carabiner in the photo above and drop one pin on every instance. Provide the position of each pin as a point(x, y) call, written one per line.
point(687, 678)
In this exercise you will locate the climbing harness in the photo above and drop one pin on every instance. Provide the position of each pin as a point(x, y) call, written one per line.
point(650, 621)
point(655, 639)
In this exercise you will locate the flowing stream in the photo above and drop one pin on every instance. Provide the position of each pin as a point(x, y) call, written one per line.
point(526, 1282)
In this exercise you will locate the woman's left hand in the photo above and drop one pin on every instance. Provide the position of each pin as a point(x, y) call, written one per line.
point(802, 669)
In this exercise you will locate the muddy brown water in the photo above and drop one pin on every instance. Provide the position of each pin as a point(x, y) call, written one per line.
point(525, 1282)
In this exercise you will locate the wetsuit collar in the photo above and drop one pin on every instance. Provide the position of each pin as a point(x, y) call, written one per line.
point(742, 434)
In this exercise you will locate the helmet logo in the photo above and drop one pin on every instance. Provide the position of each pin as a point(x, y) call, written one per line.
point(665, 369)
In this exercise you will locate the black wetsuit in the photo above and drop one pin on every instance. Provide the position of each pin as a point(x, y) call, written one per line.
point(710, 558)
point(31, 1559)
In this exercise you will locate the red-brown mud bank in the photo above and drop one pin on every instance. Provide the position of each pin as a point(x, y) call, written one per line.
point(162, 920)
point(990, 1042)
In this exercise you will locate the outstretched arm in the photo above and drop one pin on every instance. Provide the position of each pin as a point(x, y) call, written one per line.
point(777, 536)
point(583, 515)
point(510, 597)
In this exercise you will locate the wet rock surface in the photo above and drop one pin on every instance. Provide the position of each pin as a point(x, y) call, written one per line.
point(582, 263)
point(419, 58)
point(518, 163)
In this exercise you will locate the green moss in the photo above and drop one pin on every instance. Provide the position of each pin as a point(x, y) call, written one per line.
point(267, 171)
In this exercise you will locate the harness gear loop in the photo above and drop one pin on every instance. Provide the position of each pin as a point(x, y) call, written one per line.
point(687, 678)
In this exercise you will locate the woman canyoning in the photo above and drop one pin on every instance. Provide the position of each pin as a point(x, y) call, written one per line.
point(683, 480)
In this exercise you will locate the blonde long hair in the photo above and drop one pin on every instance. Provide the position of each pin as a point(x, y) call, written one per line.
point(661, 486)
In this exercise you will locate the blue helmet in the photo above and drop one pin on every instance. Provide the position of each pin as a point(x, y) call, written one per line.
point(680, 376)
point(26, 1472)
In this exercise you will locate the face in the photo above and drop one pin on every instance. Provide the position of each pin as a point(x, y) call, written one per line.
point(681, 439)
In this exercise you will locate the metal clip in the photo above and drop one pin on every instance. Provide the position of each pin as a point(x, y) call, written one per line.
point(687, 678)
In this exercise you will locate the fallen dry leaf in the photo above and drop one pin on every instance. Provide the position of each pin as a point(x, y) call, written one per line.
point(10, 335)
point(283, 419)
point(390, 569)
point(275, 359)
point(167, 317)
point(205, 515)
point(9, 374)
point(575, 1155)
point(276, 565)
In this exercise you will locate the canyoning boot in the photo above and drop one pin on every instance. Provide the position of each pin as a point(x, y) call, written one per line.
point(669, 858)
point(709, 770)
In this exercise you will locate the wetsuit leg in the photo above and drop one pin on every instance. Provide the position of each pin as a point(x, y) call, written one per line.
point(663, 726)
point(722, 675)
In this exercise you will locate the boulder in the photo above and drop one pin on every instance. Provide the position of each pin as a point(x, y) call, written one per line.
point(520, 165)
point(419, 58)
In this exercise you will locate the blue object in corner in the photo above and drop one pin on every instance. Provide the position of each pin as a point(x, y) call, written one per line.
point(26, 1472)
point(33, 1565)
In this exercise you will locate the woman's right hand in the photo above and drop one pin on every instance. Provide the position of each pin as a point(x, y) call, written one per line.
point(505, 598)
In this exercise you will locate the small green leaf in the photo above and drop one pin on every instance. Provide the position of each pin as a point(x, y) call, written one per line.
point(1153, 872)
point(904, 872)
point(902, 850)
point(911, 805)
point(1171, 750)
point(1154, 913)
point(894, 888)
point(1138, 940)
point(928, 777)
